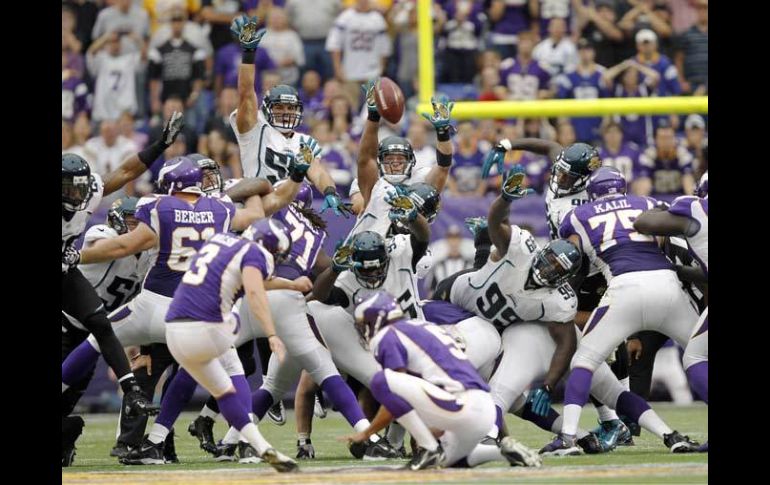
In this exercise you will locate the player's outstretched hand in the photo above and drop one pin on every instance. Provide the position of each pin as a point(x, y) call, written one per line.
point(244, 30)
point(442, 114)
point(512, 187)
point(277, 347)
point(476, 224)
point(496, 157)
point(69, 258)
point(172, 128)
point(303, 284)
point(368, 90)
point(332, 201)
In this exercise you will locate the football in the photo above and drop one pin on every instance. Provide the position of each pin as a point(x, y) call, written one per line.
point(389, 99)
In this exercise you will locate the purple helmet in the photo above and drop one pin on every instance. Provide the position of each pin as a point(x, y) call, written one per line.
point(272, 235)
point(304, 197)
point(180, 174)
point(374, 310)
point(702, 190)
point(606, 181)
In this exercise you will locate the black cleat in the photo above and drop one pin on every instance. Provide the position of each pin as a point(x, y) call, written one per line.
point(592, 445)
point(680, 444)
point(381, 450)
point(247, 453)
point(306, 451)
point(120, 450)
point(358, 450)
point(169, 449)
point(148, 453)
point(71, 428)
point(225, 452)
point(424, 459)
point(136, 403)
point(203, 429)
point(277, 414)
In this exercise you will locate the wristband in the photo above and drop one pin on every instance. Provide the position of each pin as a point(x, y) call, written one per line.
point(152, 153)
point(330, 190)
point(297, 177)
point(373, 116)
point(248, 56)
point(443, 134)
point(443, 159)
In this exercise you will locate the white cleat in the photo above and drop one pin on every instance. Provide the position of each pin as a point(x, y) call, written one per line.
point(518, 454)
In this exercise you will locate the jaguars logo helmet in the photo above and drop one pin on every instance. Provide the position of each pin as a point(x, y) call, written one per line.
point(395, 145)
point(119, 212)
point(287, 96)
point(556, 263)
point(572, 168)
point(370, 259)
point(77, 183)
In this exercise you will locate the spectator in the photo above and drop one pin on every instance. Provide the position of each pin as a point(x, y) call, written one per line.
point(312, 96)
point(508, 19)
point(696, 139)
point(450, 260)
point(219, 14)
point(547, 10)
point(645, 15)
point(636, 128)
point(126, 127)
point(557, 53)
point(525, 77)
point(171, 104)
point(124, 18)
point(68, 142)
point(220, 119)
point(176, 69)
point(115, 75)
point(615, 152)
point(340, 117)
point(226, 64)
point(108, 149)
point(463, 35)
point(224, 152)
point(334, 157)
point(424, 154)
point(284, 46)
point(597, 24)
point(81, 130)
point(80, 19)
point(536, 128)
point(487, 132)
point(465, 174)
point(161, 11)
point(565, 132)
point(665, 168)
point(490, 89)
point(692, 53)
point(71, 46)
point(585, 82)
point(406, 43)
point(74, 92)
point(359, 46)
point(313, 19)
point(192, 32)
point(683, 14)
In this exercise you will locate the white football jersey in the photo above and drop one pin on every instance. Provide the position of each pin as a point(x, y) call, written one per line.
point(265, 150)
point(557, 208)
point(115, 91)
point(73, 228)
point(400, 280)
point(115, 281)
point(496, 291)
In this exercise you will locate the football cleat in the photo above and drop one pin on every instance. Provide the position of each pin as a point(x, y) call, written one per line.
point(704, 448)
point(247, 453)
point(592, 445)
point(319, 409)
point(519, 455)
point(277, 414)
point(203, 429)
point(358, 450)
point(562, 445)
point(381, 450)
point(612, 433)
point(136, 403)
point(72, 427)
point(424, 459)
point(169, 449)
point(279, 461)
point(148, 453)
point(680, 444)
point(225, 452)
point(120, 450)
point(633, 427)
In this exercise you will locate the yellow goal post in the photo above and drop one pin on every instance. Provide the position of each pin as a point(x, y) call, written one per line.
point(464, 110)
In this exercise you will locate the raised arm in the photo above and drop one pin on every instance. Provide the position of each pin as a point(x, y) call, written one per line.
point(499, 229)
point(135, 165)
point(367, 152)
point(663, 223)
point(249, 187)
point(441, 121)
point(245, 30)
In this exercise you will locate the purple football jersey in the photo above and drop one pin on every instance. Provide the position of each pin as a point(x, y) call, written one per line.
point(182, 228)
point(307, 241)
point(522, 81)
point(74, 97)
point(515, 18)
point(666, 173)
point(416, 347)
point(466, 170)
point(214, 281)
point(575, 85)
point(607, 235)
point(624, 159)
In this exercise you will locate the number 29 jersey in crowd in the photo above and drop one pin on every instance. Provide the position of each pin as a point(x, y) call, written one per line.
point(182, 228)
point(496, 291)
point(214, 281)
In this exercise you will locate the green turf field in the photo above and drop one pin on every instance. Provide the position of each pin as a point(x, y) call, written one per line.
point(647, 462)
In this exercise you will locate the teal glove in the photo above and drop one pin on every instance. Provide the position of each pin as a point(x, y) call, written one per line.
point(244, 30)
point(496, 156)
point(403, 209)
point(540, 401)
point(311, 144)
point(332, 201)
point(371, 106)
point(441, 119)
point(476, 224)
point(512, 189)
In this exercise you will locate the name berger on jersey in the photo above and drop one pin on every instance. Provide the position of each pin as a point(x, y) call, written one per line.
point(192, 217)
